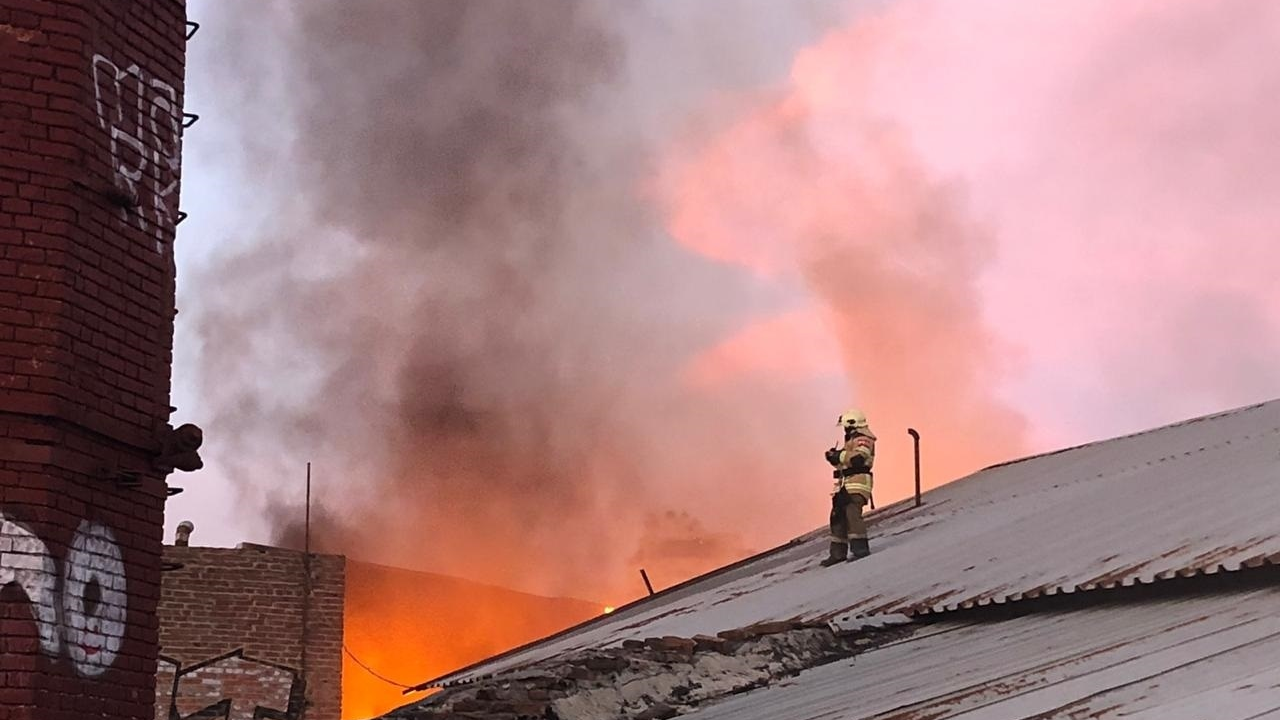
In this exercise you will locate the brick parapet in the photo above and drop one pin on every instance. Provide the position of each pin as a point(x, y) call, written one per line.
point(250, 600)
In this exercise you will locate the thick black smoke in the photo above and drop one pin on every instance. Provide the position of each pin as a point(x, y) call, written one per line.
point(457, 314)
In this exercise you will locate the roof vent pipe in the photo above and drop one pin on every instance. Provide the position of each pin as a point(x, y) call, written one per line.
point(915, 437)
point(183, 537)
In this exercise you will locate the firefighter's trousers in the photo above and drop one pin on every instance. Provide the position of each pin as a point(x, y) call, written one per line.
point(847, 522)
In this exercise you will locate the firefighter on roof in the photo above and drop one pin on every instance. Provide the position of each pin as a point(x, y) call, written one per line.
point(852, 462)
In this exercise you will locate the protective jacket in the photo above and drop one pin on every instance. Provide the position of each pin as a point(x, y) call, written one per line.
point(853, 464)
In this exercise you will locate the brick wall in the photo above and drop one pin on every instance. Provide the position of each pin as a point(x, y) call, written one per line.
point(90, 125)
point(231, 633)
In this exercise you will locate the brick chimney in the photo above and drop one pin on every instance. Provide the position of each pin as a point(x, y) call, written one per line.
point(90, 147)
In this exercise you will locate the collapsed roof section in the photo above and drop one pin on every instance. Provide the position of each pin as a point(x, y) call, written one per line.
point(1192, 498)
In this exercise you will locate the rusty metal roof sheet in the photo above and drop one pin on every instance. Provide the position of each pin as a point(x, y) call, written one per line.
point(1194, 497)
point(1188, 658)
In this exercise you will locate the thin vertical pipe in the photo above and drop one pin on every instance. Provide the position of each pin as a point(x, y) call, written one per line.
point(915, 437)
point(306, 598)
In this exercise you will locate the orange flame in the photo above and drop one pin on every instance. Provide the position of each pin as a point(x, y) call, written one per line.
point(412, 626)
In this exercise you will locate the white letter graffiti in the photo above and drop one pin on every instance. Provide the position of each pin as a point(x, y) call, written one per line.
point(94, 601)
point(133, 110)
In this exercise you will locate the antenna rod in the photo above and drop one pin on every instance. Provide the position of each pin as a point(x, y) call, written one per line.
point(306, 597)
point(306, 541)
point(647, 584)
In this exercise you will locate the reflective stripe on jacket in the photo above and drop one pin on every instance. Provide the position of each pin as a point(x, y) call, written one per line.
point(858, 447)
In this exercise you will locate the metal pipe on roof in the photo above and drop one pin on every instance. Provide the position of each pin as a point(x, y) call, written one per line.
point(183, 536)
point(647, 584)
point(915, 437)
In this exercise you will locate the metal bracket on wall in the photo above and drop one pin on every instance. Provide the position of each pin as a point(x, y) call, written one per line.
point(192, 29)
point(122, 478)
point(181, 216)
point(170, 491)
point(171, 566)
point(189, 119)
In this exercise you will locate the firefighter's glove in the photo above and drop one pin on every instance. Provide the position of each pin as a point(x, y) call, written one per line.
point(833, 456)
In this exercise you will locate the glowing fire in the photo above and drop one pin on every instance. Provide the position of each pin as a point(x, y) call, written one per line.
point(412, 626)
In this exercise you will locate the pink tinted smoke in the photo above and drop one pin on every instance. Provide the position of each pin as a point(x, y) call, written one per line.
point(1096, 176)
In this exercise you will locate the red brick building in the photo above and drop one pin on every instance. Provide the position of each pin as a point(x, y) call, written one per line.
point(91, 121)
point(245, 634)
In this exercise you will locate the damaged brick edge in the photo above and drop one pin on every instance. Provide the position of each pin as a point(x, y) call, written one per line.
point(654, 678)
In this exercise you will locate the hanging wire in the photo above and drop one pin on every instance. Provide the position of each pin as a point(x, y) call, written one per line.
point(373, 672)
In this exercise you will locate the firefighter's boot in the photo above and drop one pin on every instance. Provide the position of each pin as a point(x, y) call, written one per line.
point(858, 548)
point(839, 551)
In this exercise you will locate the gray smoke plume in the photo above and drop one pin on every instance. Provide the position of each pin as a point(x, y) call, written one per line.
point(463, 312)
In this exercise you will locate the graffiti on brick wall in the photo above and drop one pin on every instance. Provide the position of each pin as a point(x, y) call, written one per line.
point(25, 560)
point(228, 687)
point(93, 599)
point(142, 119)
point(82, 611)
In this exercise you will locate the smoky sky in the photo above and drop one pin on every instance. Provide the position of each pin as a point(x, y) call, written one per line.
point(463, 311)
point(547, 290)
point(1023, 223)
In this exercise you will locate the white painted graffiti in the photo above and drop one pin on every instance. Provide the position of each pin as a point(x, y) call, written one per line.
point(143, 120)
point(93, 599)
point(25, 560)
point(90, 618)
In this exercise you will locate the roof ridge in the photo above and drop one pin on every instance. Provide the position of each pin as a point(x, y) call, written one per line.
point(1126, 436)
point(908, 502)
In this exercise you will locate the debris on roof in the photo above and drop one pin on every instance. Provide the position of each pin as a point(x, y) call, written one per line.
point(650, 679)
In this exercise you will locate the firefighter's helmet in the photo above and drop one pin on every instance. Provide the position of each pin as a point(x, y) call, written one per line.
point(853, 420)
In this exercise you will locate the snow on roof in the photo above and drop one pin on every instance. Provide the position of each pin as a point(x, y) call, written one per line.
point(1190, 498)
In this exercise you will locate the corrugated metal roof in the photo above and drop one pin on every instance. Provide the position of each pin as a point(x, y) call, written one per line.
point(1191, 658)
point(1195, 497)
